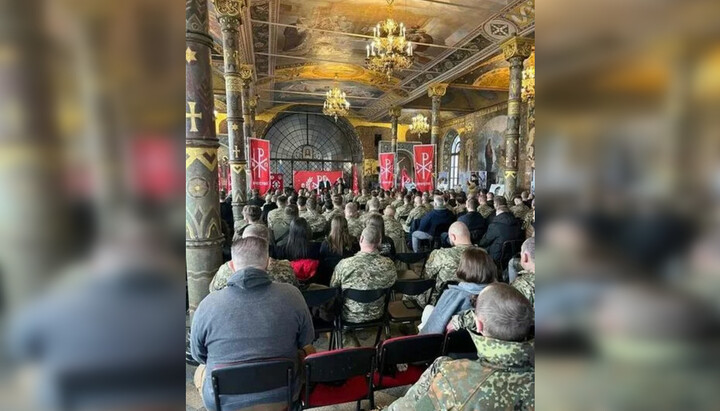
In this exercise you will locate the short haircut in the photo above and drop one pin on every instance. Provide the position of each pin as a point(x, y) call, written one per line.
point(292, 199)
point(529, 247)
point(253, 213)
point(390, 210)
point(291, 211)
point(352, 206)
point(473, 203)
point(439, 202)
point(282, 200)
point(504, 312)
point(373, 204)
point(476, 266)
point(408, 198)
point(337, 200)
point(499, 201)
point(256, 230)
point(250, 252)
point(371, 235)
point(301, 201)
point(311, 204)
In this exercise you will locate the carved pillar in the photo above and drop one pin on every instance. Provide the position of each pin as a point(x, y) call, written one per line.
point(516, 50)
point(203, 235)
point(229, 17)
point(253, 108)
point(435, 92)
point(246, 71)
point(394, 114)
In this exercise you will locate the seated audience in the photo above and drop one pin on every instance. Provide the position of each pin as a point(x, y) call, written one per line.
point(281, 228)
point(339, 244)
point(519, 209)
point(279, 271)
point(307, 208)
point(402, 212)
point(225, 331)
point(503, 376)
point(475, 222)
point(363, 198)
point(255, 199)
point(476, 270)
point(503, 227)
point(525, 281)
point(394, 229)
point(337, 207)
point(270, 204)
point(484, 208)
point(373, 207)
point(300, 250)
point(433, 220)
point(251, 215)
point(387, 245)
point(355, 226)
point(277, 214)
point(529, 222)
point(415, 214)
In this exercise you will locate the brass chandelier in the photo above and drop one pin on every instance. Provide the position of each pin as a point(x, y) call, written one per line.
point(389, 50)
point(336, 104)
point(419, 125)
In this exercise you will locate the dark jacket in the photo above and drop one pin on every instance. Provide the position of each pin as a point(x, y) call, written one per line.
point(436, 218)
point(476, 224)
point(256, 201)
point(504, 227)
point(329, 259)
point(267, 208)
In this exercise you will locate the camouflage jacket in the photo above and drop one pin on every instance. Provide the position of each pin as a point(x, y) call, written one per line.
point(279, 271)
point(442, 265)
point(503, 378)
point(525, 283)
point(415, 214)
point(328, 215)
point(362, 199)
point(274, 216)
point(363, 218)
point(486, 210)
point(316, 221)
point(396, 204)
point(528, 220)
point(403, 211)
point(364, 271)
point(355, 226)
point(394, 230)
point(520, 211)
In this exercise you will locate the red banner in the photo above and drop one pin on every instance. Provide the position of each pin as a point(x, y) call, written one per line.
point(311, 179)
point(424, 155)
point(260, 165)
point(405, 178)
point(277, 181)
point(387, 170)
point(356, 188)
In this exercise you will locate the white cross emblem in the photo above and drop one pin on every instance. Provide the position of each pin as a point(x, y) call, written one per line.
point(261, 163)
point(425, 166)
point(386, 170)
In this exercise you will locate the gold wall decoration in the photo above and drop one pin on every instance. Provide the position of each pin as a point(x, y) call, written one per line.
point(233, 82)
point(190, 55)
point(370, 166)
point(229, 7)
point(193, 116)
point(437, 89)
point(514, 108)
point(395, 111)
point(246, 72)
point(517, 47)
point(237, 168)
point(205, 155)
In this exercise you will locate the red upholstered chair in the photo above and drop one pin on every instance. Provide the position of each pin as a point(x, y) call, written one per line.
point(417, 351)
point(340, 376)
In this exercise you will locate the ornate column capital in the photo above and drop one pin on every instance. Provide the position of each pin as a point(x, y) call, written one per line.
point(517, 47)
point(246, 73)
point(252, 102)
point(395, 111)
point(229, 8)
point(437, 89)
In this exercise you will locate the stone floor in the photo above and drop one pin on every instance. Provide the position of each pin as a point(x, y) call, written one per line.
point(383, 398)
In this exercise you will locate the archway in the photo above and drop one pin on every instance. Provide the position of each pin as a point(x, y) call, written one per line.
point(305, 139)
point(446, 149)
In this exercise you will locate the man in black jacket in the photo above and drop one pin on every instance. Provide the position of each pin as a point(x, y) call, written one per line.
point(504, 227)
point(255, 199)
point(439, 217)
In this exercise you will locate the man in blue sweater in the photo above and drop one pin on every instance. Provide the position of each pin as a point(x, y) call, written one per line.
point(439, 217)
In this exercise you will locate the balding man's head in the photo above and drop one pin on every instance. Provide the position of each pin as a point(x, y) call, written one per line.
point(527, 255)
point(373, 204)
point(351, 210)
point(458, 234)
point(389, 211)
point(370, 238)
point(439, 202)
point(503, 313)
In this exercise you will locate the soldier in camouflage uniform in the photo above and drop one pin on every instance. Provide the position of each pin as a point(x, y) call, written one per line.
point(363, 198)
point(308, 211)
point(373, 207)
point(355, 226)
point(417, 213)
point(337, 209)
point(519, 209)
point(403, 210)
point(503, 376)
point(442, 264)
point(276, 215)
point(394, 230)
point(348, 196)
point(484, 208)
point(366, 270)
point(398, 201)
point(527, 224)
point(427, 203)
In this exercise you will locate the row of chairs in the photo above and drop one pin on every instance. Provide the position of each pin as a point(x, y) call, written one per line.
point(345, 375)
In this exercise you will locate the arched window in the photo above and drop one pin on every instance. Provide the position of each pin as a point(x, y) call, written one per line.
point(454, 162)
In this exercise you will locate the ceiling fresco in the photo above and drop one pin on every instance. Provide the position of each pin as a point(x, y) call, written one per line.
point(299, 47)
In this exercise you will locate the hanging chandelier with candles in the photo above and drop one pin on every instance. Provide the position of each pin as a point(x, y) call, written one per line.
point(389, 50)
point(419, 125)
point(336, 104)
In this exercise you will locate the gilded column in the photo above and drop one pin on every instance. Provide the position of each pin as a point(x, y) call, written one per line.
point(246, 72)
point(253, 109)
point(203, 235)
point(394, 114)
point(435, 92)
point(229, 18)
point(516, 50)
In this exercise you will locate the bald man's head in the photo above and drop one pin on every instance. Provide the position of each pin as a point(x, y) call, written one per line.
point(459, 234)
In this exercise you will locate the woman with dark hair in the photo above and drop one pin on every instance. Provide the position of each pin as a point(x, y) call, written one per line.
point(339, 244)
point(386, 247)
point(300, 250)
point(476, 270)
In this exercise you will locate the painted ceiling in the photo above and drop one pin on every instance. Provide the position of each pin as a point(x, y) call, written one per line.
point(299, 47)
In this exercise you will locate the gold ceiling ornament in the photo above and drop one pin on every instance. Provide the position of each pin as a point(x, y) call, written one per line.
point(389, 51)
point(395, 111)
point(419, 125)
point(230, 8)
point(252, 103)
point(469, 127)
point(528, 80)
point(517, 47)
point(246, 72)
point(336, 104)
point(437, 89)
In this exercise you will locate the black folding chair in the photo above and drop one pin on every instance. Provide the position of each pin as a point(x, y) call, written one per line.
point(364, 296)
point(458, 344)
point(340, 376)
point(254, 377)
point(417, 351)
point(407, 311)
point(509, 250)
point(324, 299)
point(413, 258)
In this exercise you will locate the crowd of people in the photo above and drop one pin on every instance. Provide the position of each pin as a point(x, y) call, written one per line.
point(288, 242)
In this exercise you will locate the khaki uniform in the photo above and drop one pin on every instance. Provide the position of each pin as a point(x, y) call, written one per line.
point(363, 218)
point(316, 221)
point(403, 211)
point(503, 378)
point(486, 210)
point(328, 215)
point(525, 283)
point(441, 266)
point(355, 226)
point(397, 203)
point(520, 211)
point(394, 230)
point(416, 214)
point(364, 271)
point(362, 199)
point(279, 271)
